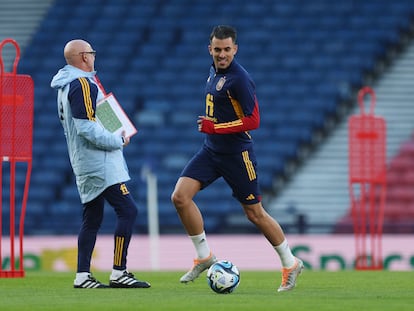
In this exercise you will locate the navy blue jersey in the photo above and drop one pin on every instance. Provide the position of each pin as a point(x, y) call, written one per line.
point(230, 96)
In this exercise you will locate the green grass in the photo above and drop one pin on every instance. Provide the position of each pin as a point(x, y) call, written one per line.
point(316, 290)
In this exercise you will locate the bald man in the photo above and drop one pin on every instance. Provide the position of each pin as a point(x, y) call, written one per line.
point(76, 53)
point(97, 160)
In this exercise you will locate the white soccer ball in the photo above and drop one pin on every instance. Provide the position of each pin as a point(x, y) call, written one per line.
point(223, 277)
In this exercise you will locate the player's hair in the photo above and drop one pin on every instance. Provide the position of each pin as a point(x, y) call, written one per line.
point(223, 32)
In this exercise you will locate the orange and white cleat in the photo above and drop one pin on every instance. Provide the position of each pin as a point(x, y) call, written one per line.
point(199, 266)
point(289, 276)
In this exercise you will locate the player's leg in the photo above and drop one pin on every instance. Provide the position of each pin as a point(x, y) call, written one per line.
point(240, 174)
point(189, 213)
point(270, 228)
point(120, 199)
point(192, 221)
point(291, 265)
point(190, 182)
point(91, 222)
point(272, 231)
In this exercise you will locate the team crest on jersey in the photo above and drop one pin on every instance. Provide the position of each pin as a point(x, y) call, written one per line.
point(220, 83)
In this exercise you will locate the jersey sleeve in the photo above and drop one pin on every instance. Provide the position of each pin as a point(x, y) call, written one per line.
point(82, 96)
point(246, 123)
point(243, 92)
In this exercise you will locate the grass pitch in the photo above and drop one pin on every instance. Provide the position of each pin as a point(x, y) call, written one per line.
point(316, 290)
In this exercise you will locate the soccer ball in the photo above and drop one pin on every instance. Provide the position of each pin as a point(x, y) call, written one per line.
point(223, 277)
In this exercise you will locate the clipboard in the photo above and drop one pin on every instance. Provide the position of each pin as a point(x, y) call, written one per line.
point(112, 117)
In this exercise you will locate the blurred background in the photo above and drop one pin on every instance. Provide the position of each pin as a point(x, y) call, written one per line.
point(308, 60)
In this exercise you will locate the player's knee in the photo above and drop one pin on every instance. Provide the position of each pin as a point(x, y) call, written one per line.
point(130, 212)
point(178, 199)
point(175, 198)
point(254, 213)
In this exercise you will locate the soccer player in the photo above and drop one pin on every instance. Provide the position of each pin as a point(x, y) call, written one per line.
point(98, 164)
point(231, 112)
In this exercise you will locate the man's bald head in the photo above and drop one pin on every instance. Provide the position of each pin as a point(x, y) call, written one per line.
point(74, 53)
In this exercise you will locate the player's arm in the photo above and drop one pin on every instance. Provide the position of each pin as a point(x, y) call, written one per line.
point(246, 123)
point(246, 108)
point(82, 96)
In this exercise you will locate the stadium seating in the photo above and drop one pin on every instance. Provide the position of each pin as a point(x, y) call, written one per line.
point(306, 58)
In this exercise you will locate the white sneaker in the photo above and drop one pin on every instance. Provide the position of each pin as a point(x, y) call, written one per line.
point(127, 280)
point(90, 282)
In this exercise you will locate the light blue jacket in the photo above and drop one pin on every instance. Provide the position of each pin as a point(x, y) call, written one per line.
point(95, 153)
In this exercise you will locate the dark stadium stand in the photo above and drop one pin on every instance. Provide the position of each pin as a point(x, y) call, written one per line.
point(306, 57)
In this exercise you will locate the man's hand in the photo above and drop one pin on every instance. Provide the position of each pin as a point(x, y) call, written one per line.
point(205, 125)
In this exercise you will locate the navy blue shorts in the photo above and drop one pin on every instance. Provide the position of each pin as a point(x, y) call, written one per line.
point(237, 169)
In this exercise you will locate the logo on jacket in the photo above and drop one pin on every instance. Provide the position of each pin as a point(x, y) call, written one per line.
point(124, 189)
point(220, 83)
